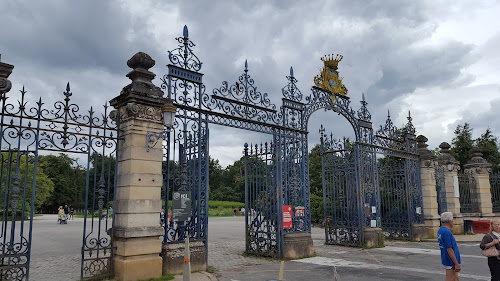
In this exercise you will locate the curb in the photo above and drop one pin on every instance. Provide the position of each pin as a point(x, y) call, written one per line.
point(210, 276)
point(458, 241)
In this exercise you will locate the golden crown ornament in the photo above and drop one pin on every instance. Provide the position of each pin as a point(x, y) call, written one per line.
point(329, 78)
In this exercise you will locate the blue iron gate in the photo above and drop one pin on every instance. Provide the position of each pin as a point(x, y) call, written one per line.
point(468, 198)
point(263, 226)
point(440, 190)
point(238, 105)
point(399, 179)
point(394, 197)
point(495, 191)
point(27, 129)
point(341, 198)
point(362, 191)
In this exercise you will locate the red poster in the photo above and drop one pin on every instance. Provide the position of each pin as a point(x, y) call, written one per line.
point(287, 217)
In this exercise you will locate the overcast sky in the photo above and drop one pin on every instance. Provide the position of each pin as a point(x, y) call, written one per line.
point(439, 59)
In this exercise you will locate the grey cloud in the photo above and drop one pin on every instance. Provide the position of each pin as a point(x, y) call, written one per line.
point(405, 70)
point(480, 121)
point(56, 40)
point(67, 35)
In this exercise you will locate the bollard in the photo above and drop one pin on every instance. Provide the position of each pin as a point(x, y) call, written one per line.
point(186, 276)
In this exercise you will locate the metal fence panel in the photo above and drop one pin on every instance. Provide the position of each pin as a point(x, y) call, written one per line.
point(262, 222)
point(468, 197)
point(495, 191)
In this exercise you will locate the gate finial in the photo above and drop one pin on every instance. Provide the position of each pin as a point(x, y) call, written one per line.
point(185, 32)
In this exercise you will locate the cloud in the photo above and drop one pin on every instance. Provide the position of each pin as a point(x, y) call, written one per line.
point(403, 55)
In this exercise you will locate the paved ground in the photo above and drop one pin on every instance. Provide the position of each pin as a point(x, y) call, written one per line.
point(56, 256)
point(397, 261)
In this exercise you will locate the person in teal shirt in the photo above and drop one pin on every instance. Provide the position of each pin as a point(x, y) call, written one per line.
point(450, 255)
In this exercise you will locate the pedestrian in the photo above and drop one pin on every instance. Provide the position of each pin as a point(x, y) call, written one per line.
point(61, 216)
point(450, 255)
point(492, 240)
point(71, 212)
point(66, 211)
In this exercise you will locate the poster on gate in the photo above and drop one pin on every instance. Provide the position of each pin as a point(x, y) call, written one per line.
point(300, 212)
point(287, 217)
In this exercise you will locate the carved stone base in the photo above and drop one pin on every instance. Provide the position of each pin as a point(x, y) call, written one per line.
point(374, 238)
point(432, 224)
point(458, 224)
point(137, 267)
point(173, 257)
point(419, 232)
point(298, 245)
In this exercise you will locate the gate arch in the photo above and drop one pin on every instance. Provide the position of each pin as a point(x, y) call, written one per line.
point(240, 105)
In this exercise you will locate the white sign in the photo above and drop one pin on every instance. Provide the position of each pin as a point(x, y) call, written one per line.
point(455, 186)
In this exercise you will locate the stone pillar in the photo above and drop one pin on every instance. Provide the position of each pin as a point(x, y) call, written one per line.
point(451, 167)
point(428, 163)
point(138, 192)
point(298, 245)
point(480, 169)
point(373, 237)
point(5, 71)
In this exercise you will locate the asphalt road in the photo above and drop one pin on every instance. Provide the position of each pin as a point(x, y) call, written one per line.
point(56, 256)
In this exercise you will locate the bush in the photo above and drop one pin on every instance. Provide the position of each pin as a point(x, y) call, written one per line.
point(317, 209)
point(225, 204)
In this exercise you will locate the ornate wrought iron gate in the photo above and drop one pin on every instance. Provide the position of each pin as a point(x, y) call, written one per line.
point(27, 129)
point(263, 226)
point(362, 191)
point(241, 106)
point(399, 180)
point(394, 197)
point(340, 193)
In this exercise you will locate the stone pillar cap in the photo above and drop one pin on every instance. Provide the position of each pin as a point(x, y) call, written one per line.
point(445, 156)
point(422, 148)
point(5, 71)
point(477, 160)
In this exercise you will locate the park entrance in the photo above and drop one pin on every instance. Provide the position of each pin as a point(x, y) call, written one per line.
point(277, 195)
point(276, 172)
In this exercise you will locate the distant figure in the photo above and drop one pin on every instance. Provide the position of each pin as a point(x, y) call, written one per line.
point(162, 216)
point(71, 212)
point(110, 213)
point(234, 212)
point(243, 211)
point(66, 211)
point(492, 239)
point(61, 216)
point(450, 255)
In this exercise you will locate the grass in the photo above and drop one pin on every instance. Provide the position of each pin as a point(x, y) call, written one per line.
point(163, 278)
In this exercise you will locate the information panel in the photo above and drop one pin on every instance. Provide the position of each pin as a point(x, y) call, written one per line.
point(287, 217)
point(181, 206)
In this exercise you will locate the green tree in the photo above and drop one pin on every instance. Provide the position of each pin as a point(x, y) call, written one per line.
point(43, 188)
point(315, 175)
point(489, 147)
point(215, 175)
point(462, 143)
point(234, 180)
point(59, 169)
